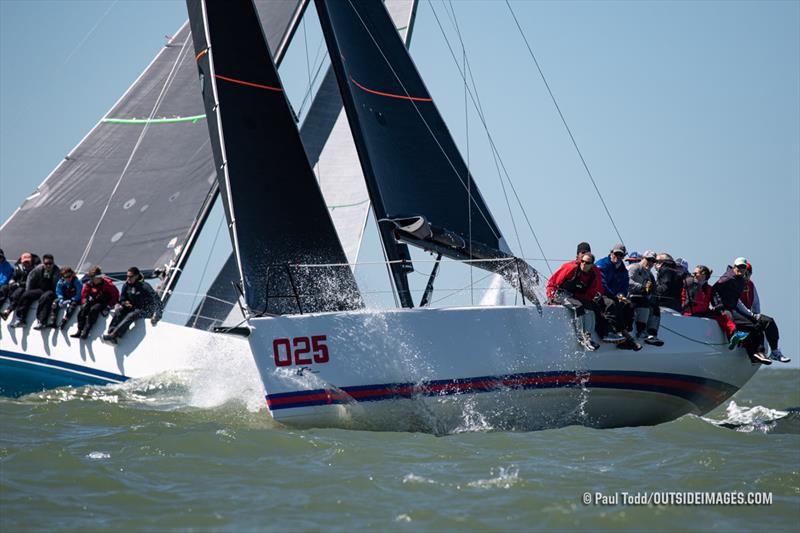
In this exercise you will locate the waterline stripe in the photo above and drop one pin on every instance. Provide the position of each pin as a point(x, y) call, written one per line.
point(700, 391)
point(63, 365)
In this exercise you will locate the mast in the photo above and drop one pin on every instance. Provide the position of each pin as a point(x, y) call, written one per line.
point(420, 187)
point(288, 255)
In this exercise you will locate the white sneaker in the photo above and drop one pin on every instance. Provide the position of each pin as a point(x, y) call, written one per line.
point(776, 355)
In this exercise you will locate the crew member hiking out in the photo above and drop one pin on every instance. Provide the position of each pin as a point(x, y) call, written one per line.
point(697, 301)
point(764, 323)
point(40, 285)
point(98, 294)
point(616, 305)
point(137, 300)
point(727, 293)
point(640, 288)
point(68, 297)
point(576, 285)
point(16, 286)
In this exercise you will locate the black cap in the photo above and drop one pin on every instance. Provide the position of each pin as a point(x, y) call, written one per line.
point(583, 247)
point(2, 252)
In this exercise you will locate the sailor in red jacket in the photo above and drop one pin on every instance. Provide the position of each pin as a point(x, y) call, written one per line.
point(98, 294)
point(575, 285)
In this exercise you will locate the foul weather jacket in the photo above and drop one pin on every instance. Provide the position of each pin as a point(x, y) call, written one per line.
point(6, 271)
point(569, 275)
point(728, 289)
point(69, 289)
point(41, 279)
point(104, 292)
point(696, 298)
point(669, 285)
point(615, 277)
point(141, 296)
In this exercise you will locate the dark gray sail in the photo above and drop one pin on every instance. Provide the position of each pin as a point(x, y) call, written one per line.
point(286, 247)
point(421, 189)
point(137, 188)
point(329, 146)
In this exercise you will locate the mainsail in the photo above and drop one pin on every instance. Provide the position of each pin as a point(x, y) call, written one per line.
point(329, 145)
point(137, 188)
point(286, 247)
point(421, 188)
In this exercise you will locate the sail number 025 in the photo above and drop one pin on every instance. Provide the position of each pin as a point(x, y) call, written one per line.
point(300, 350)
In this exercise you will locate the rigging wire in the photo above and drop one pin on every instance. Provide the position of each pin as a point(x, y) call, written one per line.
point(564, 121)
point(167, 83)
point(495, 152)
point(205, 268)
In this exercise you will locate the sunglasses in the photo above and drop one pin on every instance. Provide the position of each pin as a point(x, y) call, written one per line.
point(619, 254)
point(587, 262)
point(48, 263)
point(740, 267)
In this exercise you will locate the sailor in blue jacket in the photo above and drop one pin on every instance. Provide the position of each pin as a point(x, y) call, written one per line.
point(6, 271)
point(68, 297)
point(614, 274)
point(618, 307)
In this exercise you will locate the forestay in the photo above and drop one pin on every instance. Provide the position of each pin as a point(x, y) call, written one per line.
point(279, 225)
point(137, 188)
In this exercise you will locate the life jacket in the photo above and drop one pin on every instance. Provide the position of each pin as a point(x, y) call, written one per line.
point(696, 298)
point(575, 284)
point(748, 294)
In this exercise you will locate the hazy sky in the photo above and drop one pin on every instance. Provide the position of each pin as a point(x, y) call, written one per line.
point(687, 113)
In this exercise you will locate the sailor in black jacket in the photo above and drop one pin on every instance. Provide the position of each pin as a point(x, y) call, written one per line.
point(137, 300)
point(40, 284)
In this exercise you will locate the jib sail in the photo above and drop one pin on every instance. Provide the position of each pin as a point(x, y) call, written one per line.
point(422, 191)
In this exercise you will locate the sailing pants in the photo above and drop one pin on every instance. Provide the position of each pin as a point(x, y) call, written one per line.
point(45, 298)
point(587, 312)
point(619, 315)
point(765, 325)
point(69, 309)
point(5, 292)
point(88, 314)
point(123, 318)
point(12, 294)
point(647, 314)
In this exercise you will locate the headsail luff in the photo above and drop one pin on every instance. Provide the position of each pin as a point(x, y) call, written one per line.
point(329, 145)
point(155, 143)
point(420, 186)
point(276, 214)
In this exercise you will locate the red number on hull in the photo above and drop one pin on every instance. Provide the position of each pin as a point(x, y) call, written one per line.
point(285, 358)
point(297, 349)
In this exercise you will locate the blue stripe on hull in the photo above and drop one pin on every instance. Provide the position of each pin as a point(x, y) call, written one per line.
point(23, 374)
point(705, 393)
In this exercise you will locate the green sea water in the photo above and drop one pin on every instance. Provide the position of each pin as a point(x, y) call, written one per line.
point(166, 454)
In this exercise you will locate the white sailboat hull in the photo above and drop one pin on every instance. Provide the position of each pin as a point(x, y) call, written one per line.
point(498, 367)
point(32, 361)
